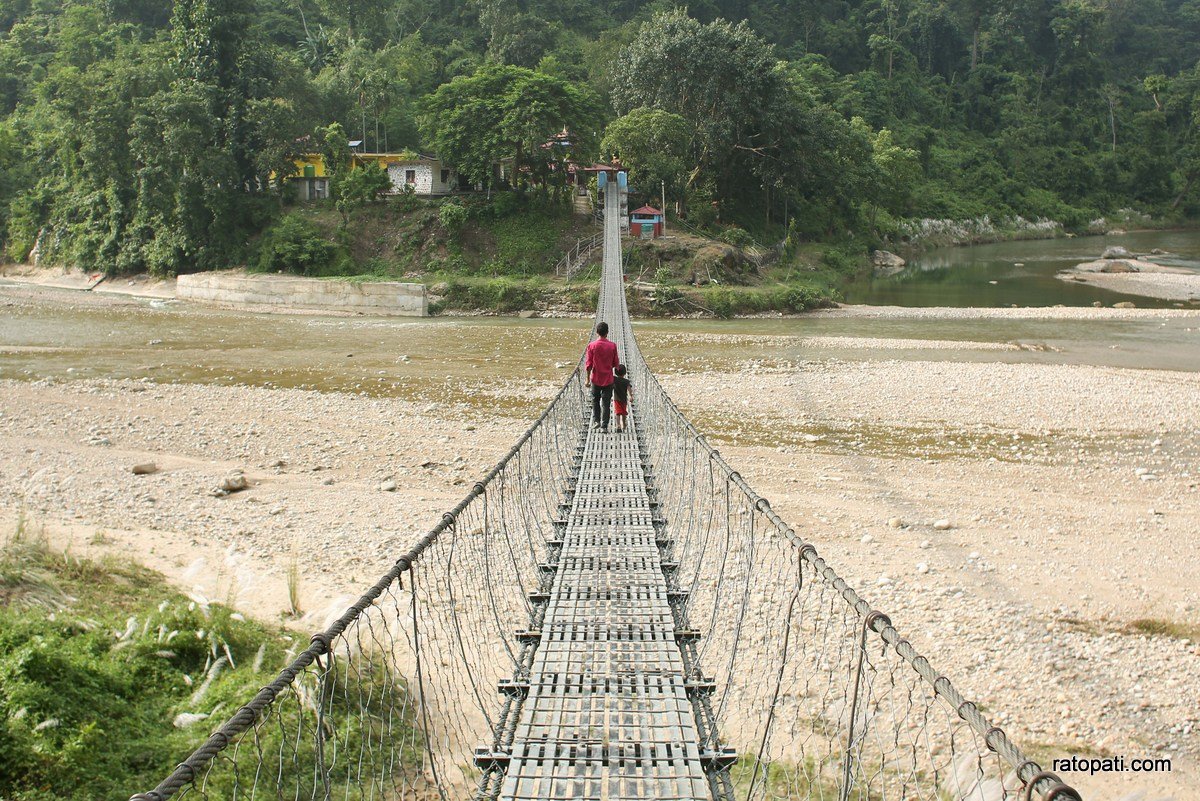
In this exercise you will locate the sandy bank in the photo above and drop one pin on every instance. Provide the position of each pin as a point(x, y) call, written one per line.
point(1005, 313)
point(143, 286)
point(1183, 287)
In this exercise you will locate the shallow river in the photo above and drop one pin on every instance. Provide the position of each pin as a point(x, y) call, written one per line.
point(1019, 273)
point(67, 336)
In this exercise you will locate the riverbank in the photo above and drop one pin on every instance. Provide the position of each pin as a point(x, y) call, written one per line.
point(1044, 462)
point(1003, 313)
point(912, 236)
point(141, 286)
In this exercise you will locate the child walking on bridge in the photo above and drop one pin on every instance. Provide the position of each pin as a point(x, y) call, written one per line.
point(622, 389)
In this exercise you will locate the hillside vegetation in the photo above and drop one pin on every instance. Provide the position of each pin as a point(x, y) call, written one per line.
point(139, 136)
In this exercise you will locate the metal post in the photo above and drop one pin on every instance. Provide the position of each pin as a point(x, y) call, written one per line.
point(664, 207)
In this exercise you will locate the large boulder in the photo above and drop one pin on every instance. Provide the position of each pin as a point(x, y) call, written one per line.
point(1116, 252)
point(717, 262)
point(1119, 266)
point(887, 263)
point(1108, 266)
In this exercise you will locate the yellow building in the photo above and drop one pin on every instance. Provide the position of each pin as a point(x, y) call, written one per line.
point(311, 179)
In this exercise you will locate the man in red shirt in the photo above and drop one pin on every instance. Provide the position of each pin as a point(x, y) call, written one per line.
point(600, 363)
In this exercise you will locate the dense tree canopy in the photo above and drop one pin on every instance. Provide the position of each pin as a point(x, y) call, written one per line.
point(142, 135)
point(653, 144)
point(504, 112)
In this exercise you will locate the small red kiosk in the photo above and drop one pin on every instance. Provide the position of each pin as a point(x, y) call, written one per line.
point(646, 222)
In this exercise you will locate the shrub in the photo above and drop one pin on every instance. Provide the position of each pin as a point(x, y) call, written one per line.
point(498, 294)
point(666, 297)
point(358, 187)
point(738, 237)
point(295, 245)
point(799, 299)
point(407, 201)
point(842, 259)
point(452, 216)
point(505, 204)
point(719, 302)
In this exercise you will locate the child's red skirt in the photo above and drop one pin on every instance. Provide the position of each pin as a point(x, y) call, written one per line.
point(620, 408)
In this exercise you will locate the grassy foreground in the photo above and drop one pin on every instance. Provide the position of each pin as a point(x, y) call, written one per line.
point(109, 677)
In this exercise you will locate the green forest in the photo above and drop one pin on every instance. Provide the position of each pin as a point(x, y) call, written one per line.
point(142, 136)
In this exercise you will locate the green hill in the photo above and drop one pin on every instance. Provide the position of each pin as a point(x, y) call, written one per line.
point(139, 138)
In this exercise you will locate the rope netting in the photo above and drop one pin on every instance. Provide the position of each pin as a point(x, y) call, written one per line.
point(816, 691)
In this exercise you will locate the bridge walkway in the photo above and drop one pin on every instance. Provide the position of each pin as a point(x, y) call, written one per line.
point(608, 714)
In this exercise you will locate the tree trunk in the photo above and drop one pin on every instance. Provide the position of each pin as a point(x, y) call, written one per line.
point(1187, 185)
point(1112, 122)
point(975, 39)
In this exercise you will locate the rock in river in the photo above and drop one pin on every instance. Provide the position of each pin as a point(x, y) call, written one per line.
point(887, 263)
point(1109, 266)
point(1119, 266)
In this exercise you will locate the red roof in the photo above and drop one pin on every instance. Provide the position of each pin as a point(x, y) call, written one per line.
point(647, 210)
point(603, 168)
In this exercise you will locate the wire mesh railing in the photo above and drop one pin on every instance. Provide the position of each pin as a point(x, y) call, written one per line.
point(817, 691)
point(390, 701)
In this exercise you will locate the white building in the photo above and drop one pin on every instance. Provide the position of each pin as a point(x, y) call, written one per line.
point(427, 175)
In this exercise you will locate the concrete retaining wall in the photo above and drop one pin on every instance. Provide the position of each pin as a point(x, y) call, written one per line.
point(383, 297)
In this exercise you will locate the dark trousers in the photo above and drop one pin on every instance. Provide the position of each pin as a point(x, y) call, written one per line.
point(601, 399)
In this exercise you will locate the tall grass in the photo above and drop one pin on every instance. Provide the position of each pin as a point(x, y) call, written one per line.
point(106, 673)
point(26, 561)
point(292, 575)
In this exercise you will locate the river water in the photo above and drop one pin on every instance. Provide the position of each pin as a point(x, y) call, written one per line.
point(1019, 273)
point(69, 335)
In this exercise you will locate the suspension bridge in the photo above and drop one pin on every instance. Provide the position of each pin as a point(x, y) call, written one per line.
point(606, 617)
